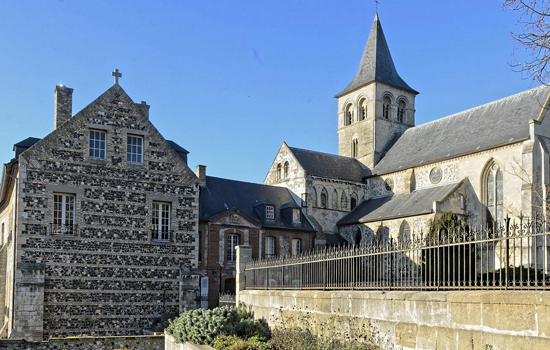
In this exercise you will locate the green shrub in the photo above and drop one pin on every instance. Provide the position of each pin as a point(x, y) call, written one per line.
point(229, 342)
point(203, 326)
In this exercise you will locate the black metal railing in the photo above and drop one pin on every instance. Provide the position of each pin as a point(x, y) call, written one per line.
point(57, 229)
point(512, 256)
point(161, 235)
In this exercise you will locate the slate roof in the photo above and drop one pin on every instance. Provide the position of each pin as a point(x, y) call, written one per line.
point(376, 63)
point(487, 126)
point(328, 165)
point(221, 195)
point(399, 205)
point(22, 146)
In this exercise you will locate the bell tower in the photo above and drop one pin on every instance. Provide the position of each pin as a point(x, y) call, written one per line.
point(376, 107)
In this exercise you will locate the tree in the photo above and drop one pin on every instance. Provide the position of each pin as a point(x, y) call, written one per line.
point(534, 37)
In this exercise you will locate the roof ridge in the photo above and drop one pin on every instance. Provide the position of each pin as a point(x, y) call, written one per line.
point(478, 107)
point(245, 182)
point(330, 154)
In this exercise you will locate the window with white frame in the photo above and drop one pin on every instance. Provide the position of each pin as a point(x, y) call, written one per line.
point(296, 246)
point(296, 217)
point(134, 149)
point(161, 221)
point(270, 247)
point(64, 214)
point(98, 144)
point(232, 243)
point(270, 212)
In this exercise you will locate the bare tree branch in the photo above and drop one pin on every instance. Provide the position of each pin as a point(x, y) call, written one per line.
point(534, 37)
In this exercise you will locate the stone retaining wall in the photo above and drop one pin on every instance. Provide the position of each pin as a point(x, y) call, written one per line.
point(488, 320)
point(149, 342)
point(172, 345)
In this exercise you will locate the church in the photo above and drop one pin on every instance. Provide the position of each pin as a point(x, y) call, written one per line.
point(392, 178)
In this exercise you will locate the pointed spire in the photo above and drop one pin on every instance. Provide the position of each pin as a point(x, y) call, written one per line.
point(376, 63)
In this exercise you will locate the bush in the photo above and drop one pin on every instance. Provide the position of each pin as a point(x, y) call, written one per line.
point(235, 343)
point(203, 326)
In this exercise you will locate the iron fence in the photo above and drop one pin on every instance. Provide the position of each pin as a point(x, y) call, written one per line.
point(512, 256)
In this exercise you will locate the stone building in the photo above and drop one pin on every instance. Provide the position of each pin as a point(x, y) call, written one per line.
point(267, 218)
point(481, 164)
point(99, 224)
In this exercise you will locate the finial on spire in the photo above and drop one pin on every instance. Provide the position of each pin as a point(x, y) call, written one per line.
point(376, 1)
point(117, 75)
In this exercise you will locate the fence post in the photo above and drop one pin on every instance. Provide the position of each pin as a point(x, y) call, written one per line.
point(244, 255)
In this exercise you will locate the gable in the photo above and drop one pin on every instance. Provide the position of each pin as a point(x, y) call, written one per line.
point(118, 116)
point(234, 217)
point(283, 155)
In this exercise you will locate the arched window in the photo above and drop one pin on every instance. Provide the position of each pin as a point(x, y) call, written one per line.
point(353, 201)
point(334, 200)
point(404, 232)
point(362, 109)
point(278, 174)
point(354, 147)
point(386, 107)
point(401, 111)
point(348, 115)
point(286, 173)
point(323, 204)
point(494, 194)
point(314, 197)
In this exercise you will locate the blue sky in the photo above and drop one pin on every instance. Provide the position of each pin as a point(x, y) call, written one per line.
point(231, 80)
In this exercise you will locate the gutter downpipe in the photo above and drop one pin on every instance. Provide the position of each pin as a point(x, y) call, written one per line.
point(14, 246)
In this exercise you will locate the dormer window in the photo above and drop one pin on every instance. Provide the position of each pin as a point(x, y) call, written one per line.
point(296, 217)
point(270, 212)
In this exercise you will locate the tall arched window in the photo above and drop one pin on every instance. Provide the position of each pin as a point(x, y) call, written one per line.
point(348, 115)
point(286, 171)
point(401, 111)
point(386, 107)
point(278, 174)
point(494, 194)
point(313, 197)
point(362, 109)
point(404, 232)
point(354, 147)
point(334, 200)
point(324, 196)
point(344, 202)
point(353, 201)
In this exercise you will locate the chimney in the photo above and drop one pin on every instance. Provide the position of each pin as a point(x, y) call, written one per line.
point(144, 107)
point(201, 174)
point(63, 104)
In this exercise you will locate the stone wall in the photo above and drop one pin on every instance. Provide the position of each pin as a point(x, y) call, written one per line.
point(110, 277)
point(153, 342)
point(172, 345)
point(495, 320)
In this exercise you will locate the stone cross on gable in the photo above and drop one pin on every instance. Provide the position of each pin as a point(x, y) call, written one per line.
point(117, 75)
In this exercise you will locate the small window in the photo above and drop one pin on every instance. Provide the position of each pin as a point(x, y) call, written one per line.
point(278, 174)
point(363, 109)
point(354, 147)
point(386, 107)
point(98, 147)
point(435, 175)
point(296, 246)
point(286, 170)
point(323, 199)
point(233, 241)
point(401, 111)
point(296, 217)
point(348, 115)
point(269, 247)
point(353, 203)
point(134, 147)
point(270, 212)
point(161, 222)
point(64, 210)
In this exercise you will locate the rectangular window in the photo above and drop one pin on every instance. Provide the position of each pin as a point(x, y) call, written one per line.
point(161, 222)
point(296, 246)
point(269, 247)
point(232, 243)
point(296, 217)
point(134, 149)
point(98, 144)
point(270, 212)
point(64, 214)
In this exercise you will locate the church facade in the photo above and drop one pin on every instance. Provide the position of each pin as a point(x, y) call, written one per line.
point(391, 177)
point(99, 225)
